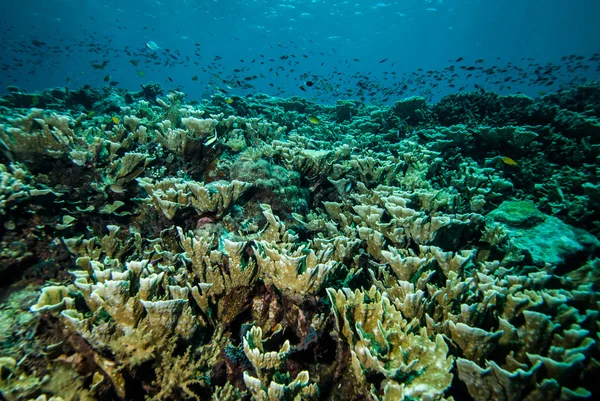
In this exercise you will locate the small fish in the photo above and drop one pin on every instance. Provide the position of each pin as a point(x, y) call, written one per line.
point(99, 66)
point(509, 161)
point(35, 100)
point(229, 100)
point(90, 114)
point(152, 45)
point(116, 188)
point(140, 73)
point(314, 120)
point(195, 78)
point(115, 119)
point(107, 78)
point(211, 140)
point(309, 83)
point(383, 61)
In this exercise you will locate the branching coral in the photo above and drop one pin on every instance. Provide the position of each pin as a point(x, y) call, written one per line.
point(171, 194)
point(270, 384)
point(225, 279)
point(382, 342)
point(17, 185)
point(297, 274)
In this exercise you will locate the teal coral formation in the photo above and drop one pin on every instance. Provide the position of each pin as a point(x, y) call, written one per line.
point(164, 249)
point(546, 239)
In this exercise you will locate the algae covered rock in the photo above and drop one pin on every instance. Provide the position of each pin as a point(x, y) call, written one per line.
point(517, 214)
point(546, 238)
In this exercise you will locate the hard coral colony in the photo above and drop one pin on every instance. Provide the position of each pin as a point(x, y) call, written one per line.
point(179, 251)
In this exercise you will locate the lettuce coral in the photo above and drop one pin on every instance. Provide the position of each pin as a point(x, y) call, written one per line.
point(205, 251)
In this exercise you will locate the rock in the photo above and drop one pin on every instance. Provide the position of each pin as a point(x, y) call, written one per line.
point(546, 238)
point(517, 214)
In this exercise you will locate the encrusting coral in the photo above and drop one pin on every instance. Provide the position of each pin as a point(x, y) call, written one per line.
point(207, 251)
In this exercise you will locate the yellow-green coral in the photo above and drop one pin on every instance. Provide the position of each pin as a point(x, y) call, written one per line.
point(383, 342)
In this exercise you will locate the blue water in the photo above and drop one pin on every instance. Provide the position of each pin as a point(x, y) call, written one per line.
point(321, 40)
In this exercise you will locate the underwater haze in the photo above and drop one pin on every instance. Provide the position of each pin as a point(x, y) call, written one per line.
point(274, 47)
point(300, 200)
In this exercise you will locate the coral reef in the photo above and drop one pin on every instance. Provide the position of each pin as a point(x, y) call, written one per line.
point(231, 249)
